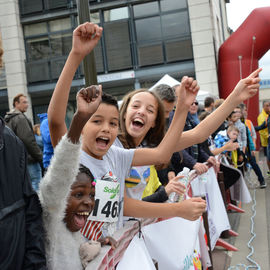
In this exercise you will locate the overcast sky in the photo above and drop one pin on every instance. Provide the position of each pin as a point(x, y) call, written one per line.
point(238, 11)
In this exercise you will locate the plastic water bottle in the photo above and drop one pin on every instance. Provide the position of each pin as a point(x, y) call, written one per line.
point(174, 197)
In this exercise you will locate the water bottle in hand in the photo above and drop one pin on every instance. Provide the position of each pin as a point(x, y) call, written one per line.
point(174, 197)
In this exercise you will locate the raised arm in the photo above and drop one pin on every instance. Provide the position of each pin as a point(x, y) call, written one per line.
point(190, 209)
point(162, 153)
point(85, 38)
point(55, 186)
point(88, 100)
point(229, 146)
point(245, 89)
point(261, 127)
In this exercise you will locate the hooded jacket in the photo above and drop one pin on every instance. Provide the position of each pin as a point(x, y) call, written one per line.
point(46, 138)
point(22, 127)
point(21, 230)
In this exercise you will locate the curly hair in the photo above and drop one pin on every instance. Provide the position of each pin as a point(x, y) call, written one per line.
point(85, 170)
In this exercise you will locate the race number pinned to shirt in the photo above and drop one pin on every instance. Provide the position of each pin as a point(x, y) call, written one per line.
point(106, 201)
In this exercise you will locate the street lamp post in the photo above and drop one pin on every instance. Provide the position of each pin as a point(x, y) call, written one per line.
point(89, 64)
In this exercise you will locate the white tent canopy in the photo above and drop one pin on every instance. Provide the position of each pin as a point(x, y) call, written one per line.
point(167, 79)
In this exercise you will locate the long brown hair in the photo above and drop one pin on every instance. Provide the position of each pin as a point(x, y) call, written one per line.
point(155, 135)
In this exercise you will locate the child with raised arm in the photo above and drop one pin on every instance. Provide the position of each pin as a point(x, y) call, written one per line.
point(67, 193)
point(113, 163)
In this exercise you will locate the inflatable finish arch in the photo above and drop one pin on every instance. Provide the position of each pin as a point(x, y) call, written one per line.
point(240, 53)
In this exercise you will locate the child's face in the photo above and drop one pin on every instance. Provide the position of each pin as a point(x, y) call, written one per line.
point(80, 203)
point(233, 134)
point(141, 115)
point(234, 117)
point(238, 112)
point(100, 131)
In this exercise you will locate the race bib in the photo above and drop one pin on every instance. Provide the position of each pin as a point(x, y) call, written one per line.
point(106, 201)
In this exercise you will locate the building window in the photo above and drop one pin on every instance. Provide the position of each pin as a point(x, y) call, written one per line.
point(175, 25)
point(47, 46)
point(35, 29)
point(60, 44)
point(117, 44)
point(39, 6)
point(94, 17)
point(115, 14)
point(31, 6)
point(134, 36)
point(60, 25)
point(37, 71)
point(146, 9)
point(52, 4)
point(170, 5)
point(148, 29)
point(178, 50)
point(38, 48)
point(162, 32)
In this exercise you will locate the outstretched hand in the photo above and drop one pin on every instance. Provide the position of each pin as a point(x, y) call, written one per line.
point(193, 208)
point(231, 146)
point(108, 241)
point(248, 87)
point(85, 38)
point(187, 91)
point(88, 100)
point(175, 186)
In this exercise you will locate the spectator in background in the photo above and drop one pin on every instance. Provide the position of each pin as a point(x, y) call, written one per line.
point(22, 127)
point(193, 112)
point(21, 230)
point(1, 54)
point(194, 156)
point(46, 138)
point(209, 104)
point(38, 137)
point(218, 102)
point(251, 142)
point(248, 123)
point(263, 117)
point(168, 98)
point(242, 136)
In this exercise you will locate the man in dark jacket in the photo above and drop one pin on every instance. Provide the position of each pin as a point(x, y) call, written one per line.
point(22, 127)
point(194, 156)
point(21, 231)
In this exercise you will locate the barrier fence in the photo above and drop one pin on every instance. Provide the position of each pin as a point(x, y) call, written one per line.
point(145, 244)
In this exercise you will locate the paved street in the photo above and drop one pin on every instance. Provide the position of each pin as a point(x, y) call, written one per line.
point(242, 224)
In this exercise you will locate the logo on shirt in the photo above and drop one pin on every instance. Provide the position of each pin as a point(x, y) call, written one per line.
point(113, 191)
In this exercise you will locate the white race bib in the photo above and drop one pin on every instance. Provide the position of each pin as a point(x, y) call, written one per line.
point(106, 201)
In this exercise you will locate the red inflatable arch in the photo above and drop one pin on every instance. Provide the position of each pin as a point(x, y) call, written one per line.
point(240, 53)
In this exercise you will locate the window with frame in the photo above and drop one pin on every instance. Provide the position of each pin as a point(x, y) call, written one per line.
point(162, 32)
point(117, 39)
point(47, 46)
point(39, 6)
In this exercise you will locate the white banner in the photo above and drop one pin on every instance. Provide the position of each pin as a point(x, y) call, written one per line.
point(136, 256)
point(207, 185)
point(171, 243)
